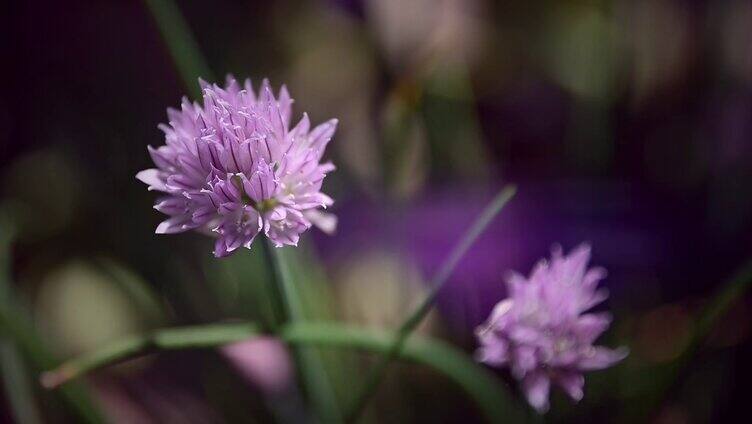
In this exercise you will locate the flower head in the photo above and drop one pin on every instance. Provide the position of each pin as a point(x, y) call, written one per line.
point(542, 332)
point(233, 166)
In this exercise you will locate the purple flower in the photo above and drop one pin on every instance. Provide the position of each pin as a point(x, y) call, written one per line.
point(541, 331)
point(234, 166)
point(264, 361)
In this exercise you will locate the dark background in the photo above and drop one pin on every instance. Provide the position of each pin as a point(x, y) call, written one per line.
point(625, 124)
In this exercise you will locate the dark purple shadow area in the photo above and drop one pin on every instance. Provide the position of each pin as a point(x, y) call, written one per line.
point(645, 246)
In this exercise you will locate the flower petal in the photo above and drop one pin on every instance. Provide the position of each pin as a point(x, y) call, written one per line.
point(536, 387)
point(598, 358)
point(572, 383)
point(153, 178)
point(175, 224)
point(325, 222)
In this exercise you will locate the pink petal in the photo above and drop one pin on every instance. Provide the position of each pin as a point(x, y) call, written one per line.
point(572, 383)
point(152, 178)
point(326, 222)
point(536, 387)
point(598, 358)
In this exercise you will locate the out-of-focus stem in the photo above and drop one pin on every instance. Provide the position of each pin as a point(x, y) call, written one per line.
point(16, 383)
point(310, 365)
point(129, 347)
point(376, 375)
point(729, 293)
point(20, 336)
point(478, 383)
point(182, 46)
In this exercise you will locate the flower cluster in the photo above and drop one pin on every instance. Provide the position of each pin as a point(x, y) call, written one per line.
point(233, 166)
point(541, 331)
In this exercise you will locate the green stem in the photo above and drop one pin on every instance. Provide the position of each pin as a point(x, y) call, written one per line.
point(310, 364)
point(18, 391)
point(279, 307)
point(729, 293)
point(177, 338)
point(376, 375)
point(473, 379)
point(182, 46)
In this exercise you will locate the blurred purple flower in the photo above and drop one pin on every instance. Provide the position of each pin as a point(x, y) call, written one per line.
point(263, 361)
point(632, 237)
point(233, 166)
point(540, 331)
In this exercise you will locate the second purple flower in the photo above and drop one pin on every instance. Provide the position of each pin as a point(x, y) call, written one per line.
point(542, 331)
point(235, 167)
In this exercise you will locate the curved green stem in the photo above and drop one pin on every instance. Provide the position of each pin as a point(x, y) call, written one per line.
point(311, 367)
point(175, 338)
point(489, 395)
point(376, 375)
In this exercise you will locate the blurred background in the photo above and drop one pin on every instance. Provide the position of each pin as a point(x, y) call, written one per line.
point(624, 123)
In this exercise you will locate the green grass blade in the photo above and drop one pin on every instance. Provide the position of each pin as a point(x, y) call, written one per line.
point(18, 390)
point(668, 377)
point(376, 375)
point(182, 46)
point(312, 369)
point(17, 329)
